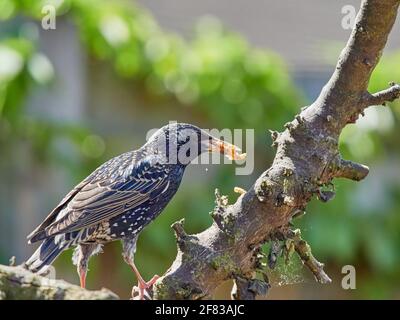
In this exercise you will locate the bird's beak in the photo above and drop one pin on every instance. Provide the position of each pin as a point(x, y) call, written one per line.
point(229, 150)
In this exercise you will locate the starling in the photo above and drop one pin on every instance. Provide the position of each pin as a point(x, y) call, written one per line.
point(120, 198)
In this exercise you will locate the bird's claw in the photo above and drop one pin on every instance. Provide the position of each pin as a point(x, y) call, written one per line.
point(140, 294)
point(143, 291)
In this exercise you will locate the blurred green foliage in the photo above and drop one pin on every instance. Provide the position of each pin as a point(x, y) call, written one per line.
point(232, 85)
point(23, 69)
point(215, 70)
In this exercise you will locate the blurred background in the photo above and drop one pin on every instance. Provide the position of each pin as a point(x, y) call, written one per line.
point(77, 95)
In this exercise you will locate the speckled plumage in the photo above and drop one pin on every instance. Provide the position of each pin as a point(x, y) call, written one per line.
point(117, 200)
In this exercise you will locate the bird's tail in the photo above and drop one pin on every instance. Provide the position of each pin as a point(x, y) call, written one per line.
point(44, 256)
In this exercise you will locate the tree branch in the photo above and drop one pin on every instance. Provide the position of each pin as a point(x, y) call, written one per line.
point(384, 96)
point(303, 249)
point(351, 170)
point(16, 283)
point(307, 158)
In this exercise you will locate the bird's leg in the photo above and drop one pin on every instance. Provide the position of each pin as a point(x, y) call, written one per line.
point(142, 284)
point(82, 276)
point(129, 248)
point(81, 258)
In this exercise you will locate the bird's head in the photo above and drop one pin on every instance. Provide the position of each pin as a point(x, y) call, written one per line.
point(185, 142)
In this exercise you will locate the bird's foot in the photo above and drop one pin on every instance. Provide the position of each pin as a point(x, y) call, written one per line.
point(140, 292)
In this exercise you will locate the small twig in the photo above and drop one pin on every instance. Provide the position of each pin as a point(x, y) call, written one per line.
point(351, 170)
point(178, 228)
point(303, 249)
point(12, 261)
point(180, 234)
point(383, 96)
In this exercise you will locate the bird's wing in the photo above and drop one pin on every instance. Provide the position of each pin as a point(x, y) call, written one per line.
point(99, 174)
point(100, 200)
point(54, 213)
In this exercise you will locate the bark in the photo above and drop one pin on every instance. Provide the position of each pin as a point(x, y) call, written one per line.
point(307, 159)
point(16, 283)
